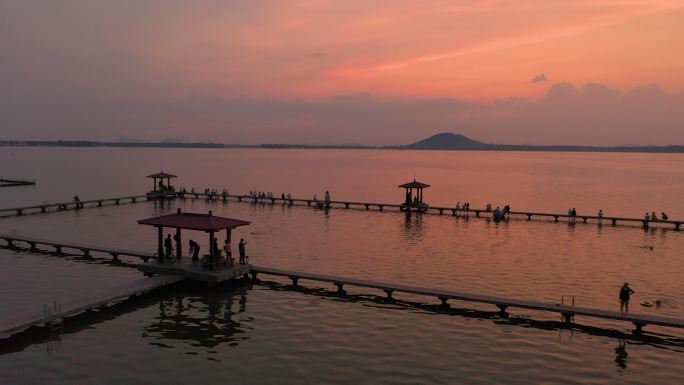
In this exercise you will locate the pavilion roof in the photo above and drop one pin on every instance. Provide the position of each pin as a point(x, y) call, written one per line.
point(414, 184)
point(162, 175)
point(193, 221)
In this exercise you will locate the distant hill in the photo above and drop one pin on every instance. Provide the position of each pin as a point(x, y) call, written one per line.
point(447, 141)
point(451, 141)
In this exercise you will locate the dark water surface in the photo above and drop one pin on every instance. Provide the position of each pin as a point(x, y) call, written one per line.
point(267, 333)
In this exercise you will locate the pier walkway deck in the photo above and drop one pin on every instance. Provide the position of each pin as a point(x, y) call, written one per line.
point(529, 215)
point(568, 312)
point(49, 315)
point(63, 206)
point(10, 182)
point(13, 241)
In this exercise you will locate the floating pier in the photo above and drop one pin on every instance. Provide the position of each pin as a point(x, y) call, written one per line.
point(20, 322)
point(9, 182)
point(567, 312)
point(478, 213)
point(73, 205)
point(42, 245)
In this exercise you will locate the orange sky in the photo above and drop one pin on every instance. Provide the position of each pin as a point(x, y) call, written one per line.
point(352, 71)
point(464, 49)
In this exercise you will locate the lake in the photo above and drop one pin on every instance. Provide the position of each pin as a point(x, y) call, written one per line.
point(265, 333)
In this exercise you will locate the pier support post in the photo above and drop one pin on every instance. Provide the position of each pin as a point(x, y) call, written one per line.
point(115, 257)
point(638, 327)
point(20, 212)
point(99, 203)
point(555, 217)
point(453, 213)
point(239, 199)
point(340, 288)
point(614, 221)
point(254, 275)
point(295, 281)
point(367, 207)
point(502, 309)
point(346, 205)
point(529, 217)
point(86, 253)
point(677, 225)
point(116, 201)
point(645, 224)
point(584, 219)
point(389, 293)
point(10, 244)
point(58, 249)
point(568, 316)
point(132, 199)
point(441, 211)
point(33, 246)
point(308, 203)
point(445, 303)
point(43, 209)
point(477, 214)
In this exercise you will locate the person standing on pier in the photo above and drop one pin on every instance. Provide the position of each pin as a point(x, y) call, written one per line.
point(241, 249)
point(327, 197)
point(600, 216)
point(194, 250)
point(664, 216)
point(168, 245)
point(625, 293)
point(229, 253)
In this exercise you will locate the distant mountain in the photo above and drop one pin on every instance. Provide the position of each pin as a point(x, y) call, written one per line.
point(451, 141)
point(447, 141)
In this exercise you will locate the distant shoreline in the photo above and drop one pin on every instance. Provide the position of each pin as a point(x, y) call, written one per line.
point(479, 147)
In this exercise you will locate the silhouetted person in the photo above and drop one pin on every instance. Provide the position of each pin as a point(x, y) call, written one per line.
point(168, 245)
point(161, 185)
point(664, 216)
point(241, 249)
point(194, 250)
point(76, 199)
point(507, 211)
point(227, 248)
point(600, 216)
point(327, 197)
point(625, 293)
point(653, 216)
point(574, 214)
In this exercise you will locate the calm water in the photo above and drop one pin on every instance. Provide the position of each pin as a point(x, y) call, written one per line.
point(267, 334)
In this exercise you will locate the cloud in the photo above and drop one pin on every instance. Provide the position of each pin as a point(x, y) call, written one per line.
point(541, 78)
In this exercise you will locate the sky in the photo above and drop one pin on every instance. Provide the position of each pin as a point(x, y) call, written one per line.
point(381, 72)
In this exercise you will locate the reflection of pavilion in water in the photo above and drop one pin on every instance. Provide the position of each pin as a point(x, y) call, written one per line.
point(413, 227)
point(201, 317)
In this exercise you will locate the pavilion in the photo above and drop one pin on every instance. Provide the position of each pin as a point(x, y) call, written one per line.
point(412, 201)
point(213, 272)
point(160, 188)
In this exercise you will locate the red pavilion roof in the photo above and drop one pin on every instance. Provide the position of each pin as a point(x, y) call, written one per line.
point(192, 221)
point(414, 184)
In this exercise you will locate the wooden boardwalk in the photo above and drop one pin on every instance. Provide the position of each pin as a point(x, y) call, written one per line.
point(478, 213)
point(568, 312)
point(63, 206)
point(9, 182)
point(58, 247)
point(77, 305)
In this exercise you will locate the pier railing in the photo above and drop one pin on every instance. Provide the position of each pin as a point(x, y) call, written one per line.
point(72, 205)
point(613, 220)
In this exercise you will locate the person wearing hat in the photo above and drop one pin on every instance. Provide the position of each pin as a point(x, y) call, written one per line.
point(625, 292)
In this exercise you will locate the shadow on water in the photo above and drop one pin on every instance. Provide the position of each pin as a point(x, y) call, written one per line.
point(656, 340)
point(187, 311)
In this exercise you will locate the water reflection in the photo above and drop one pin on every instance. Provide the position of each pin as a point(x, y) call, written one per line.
point(621, 354)
point(201, 317)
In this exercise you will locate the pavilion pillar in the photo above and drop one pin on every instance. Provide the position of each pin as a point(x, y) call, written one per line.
point(212, 252)
point(228, 235)
point(160, 246)
point(154, 184)
point(179, 244)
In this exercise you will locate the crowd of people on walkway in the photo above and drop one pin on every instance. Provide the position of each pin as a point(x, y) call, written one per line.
point(220, 257)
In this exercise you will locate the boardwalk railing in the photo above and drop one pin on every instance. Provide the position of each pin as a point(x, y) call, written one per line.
point(34, 245)
point(568, 312)
point(435, 209)
point(62, 206)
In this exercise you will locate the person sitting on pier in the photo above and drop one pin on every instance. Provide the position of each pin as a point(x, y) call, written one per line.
point(507, 211)
point(625, 292)
point(241, 249)
point(497, 214)
point(76, 199)
point(647, 217)
point(653, 216)
point(489, 207)
point(458, 206)
point(664, 216)
point(168, 245)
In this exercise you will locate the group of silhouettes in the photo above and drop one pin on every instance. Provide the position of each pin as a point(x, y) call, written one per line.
point(213, 258)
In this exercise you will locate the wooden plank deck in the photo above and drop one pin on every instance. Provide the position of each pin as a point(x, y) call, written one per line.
point(58, 246)
point(502, 303)
point(72, 307)
point(63, 206)
point(613, 220)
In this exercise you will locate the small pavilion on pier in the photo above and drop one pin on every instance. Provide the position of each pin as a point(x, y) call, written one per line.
point(159, 188)
point(413, 197)
point(213, 267)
